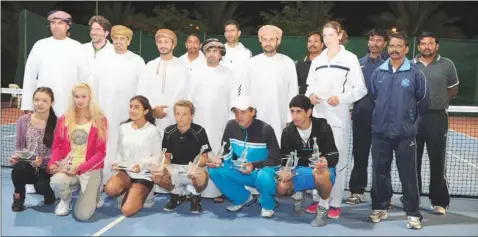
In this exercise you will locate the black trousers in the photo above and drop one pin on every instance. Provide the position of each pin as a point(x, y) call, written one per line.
point(382, 157)
point(362, 140)
point(433, 131)
point(24, 173)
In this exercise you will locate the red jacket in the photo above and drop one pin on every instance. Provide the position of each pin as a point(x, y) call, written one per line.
point(95, 149)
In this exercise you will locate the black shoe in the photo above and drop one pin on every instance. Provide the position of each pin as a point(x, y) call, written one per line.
point(174, 202)
point(196, 204)
point(49, 199)
point(18, 203)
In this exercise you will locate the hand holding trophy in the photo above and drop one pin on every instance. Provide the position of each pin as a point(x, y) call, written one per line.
point(65, 165)
point(193, 171)
point(287, 172)
point(240, 163)
point(157, 167)
point(214, 160)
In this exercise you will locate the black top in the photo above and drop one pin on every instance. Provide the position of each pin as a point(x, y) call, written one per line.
point(185, 146)
point(302, 67)
point(291, 141)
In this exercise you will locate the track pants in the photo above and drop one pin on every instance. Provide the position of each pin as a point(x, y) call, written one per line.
point(362, 140)
point(232, 182)
point(433, 131)
point(382, 157)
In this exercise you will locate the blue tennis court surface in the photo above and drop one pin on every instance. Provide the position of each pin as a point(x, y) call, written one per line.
point(36, 220)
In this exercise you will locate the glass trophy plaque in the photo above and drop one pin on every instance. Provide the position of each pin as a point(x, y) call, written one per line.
point(194, 165)
point(239, 163)
point(65, 165)
point(291, 163)
point(27, 154)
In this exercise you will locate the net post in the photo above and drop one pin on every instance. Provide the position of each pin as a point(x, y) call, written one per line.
point(140, 41)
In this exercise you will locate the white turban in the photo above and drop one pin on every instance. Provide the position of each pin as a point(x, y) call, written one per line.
point(270, 30)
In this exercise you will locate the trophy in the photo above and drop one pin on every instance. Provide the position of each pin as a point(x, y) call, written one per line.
point(124, 164)
point(316, 155)
point(156, 165)
point(65, 164)
point(27, 154)
point(193, 166)
point(238, 164)
point(291, 164)
point(217, 157)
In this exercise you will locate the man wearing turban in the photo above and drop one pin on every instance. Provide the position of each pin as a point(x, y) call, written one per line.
point(114, 79)
point(276, 72)
point(57, 62)
point(212, 88)
point(165, 79)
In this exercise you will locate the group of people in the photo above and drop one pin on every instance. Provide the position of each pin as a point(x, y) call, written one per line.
point(219, 123)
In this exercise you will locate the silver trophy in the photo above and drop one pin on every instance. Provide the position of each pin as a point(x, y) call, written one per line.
point(27, 154)
point(289, 167)
point(239, 163)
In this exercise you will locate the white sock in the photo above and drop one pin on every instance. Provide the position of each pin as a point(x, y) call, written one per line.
point(324, 203)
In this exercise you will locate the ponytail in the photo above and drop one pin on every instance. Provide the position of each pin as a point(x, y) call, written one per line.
point(50, 129)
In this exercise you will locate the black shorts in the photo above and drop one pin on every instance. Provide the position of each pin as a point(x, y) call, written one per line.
point(146, 183)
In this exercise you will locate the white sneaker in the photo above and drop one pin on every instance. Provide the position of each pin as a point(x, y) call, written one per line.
point(378, 215)
point(414, 222)
point(101, 201)
point(267, 213)
point(235, 208)
point(63, 208)
point(439, 210)
point(149, 202)
point(30, 188)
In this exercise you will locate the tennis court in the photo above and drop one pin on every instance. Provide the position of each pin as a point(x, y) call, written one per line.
point(462, 218)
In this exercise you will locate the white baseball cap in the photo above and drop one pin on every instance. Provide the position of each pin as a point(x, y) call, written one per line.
point(242, 103)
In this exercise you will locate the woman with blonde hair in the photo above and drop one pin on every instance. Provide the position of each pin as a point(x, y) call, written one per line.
point(335, 82)
point(79, 148)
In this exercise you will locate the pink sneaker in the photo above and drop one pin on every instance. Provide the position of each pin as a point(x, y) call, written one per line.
point(334, 213)
point(312, 209)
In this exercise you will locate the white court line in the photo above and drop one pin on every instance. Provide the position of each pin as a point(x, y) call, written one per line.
point(469, 163)
point(464, 134)
point(109, 226)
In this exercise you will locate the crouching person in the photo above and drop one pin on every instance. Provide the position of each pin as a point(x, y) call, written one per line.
point(139, 145)
point(78, 151)
point(251, 151)
point(182, 174)
point(300, 136)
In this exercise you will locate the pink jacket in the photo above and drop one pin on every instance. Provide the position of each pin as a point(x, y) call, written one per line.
point(95, 150)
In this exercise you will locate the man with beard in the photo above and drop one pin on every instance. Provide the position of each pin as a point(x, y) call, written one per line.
point(114, 80)
point(165, 79)
point(193, 57)
point(100, 29)
point(400, 94)
point(57, 62)
point(211, 91)
point(443, 81)
point(237, 54)
point(314, 48)
point(362, 117)
point(271, 80)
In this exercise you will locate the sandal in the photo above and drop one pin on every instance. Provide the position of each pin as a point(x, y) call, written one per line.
point(219, 199)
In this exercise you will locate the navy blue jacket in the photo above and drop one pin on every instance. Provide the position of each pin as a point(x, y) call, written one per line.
point(363, 108)
point(400, 99)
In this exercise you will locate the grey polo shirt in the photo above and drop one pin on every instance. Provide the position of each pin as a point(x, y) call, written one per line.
point(440, 75)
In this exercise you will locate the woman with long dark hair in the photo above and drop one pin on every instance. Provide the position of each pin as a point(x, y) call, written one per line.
point(34, 140)
point(139, 144)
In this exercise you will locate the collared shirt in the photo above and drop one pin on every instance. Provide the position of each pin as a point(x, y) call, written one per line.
point(441, 75)
point(184, 147)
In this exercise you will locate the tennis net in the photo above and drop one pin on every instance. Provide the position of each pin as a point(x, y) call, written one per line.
point(461, 150)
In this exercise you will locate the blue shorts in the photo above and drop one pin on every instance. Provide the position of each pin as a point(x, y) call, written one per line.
point(304, 180)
